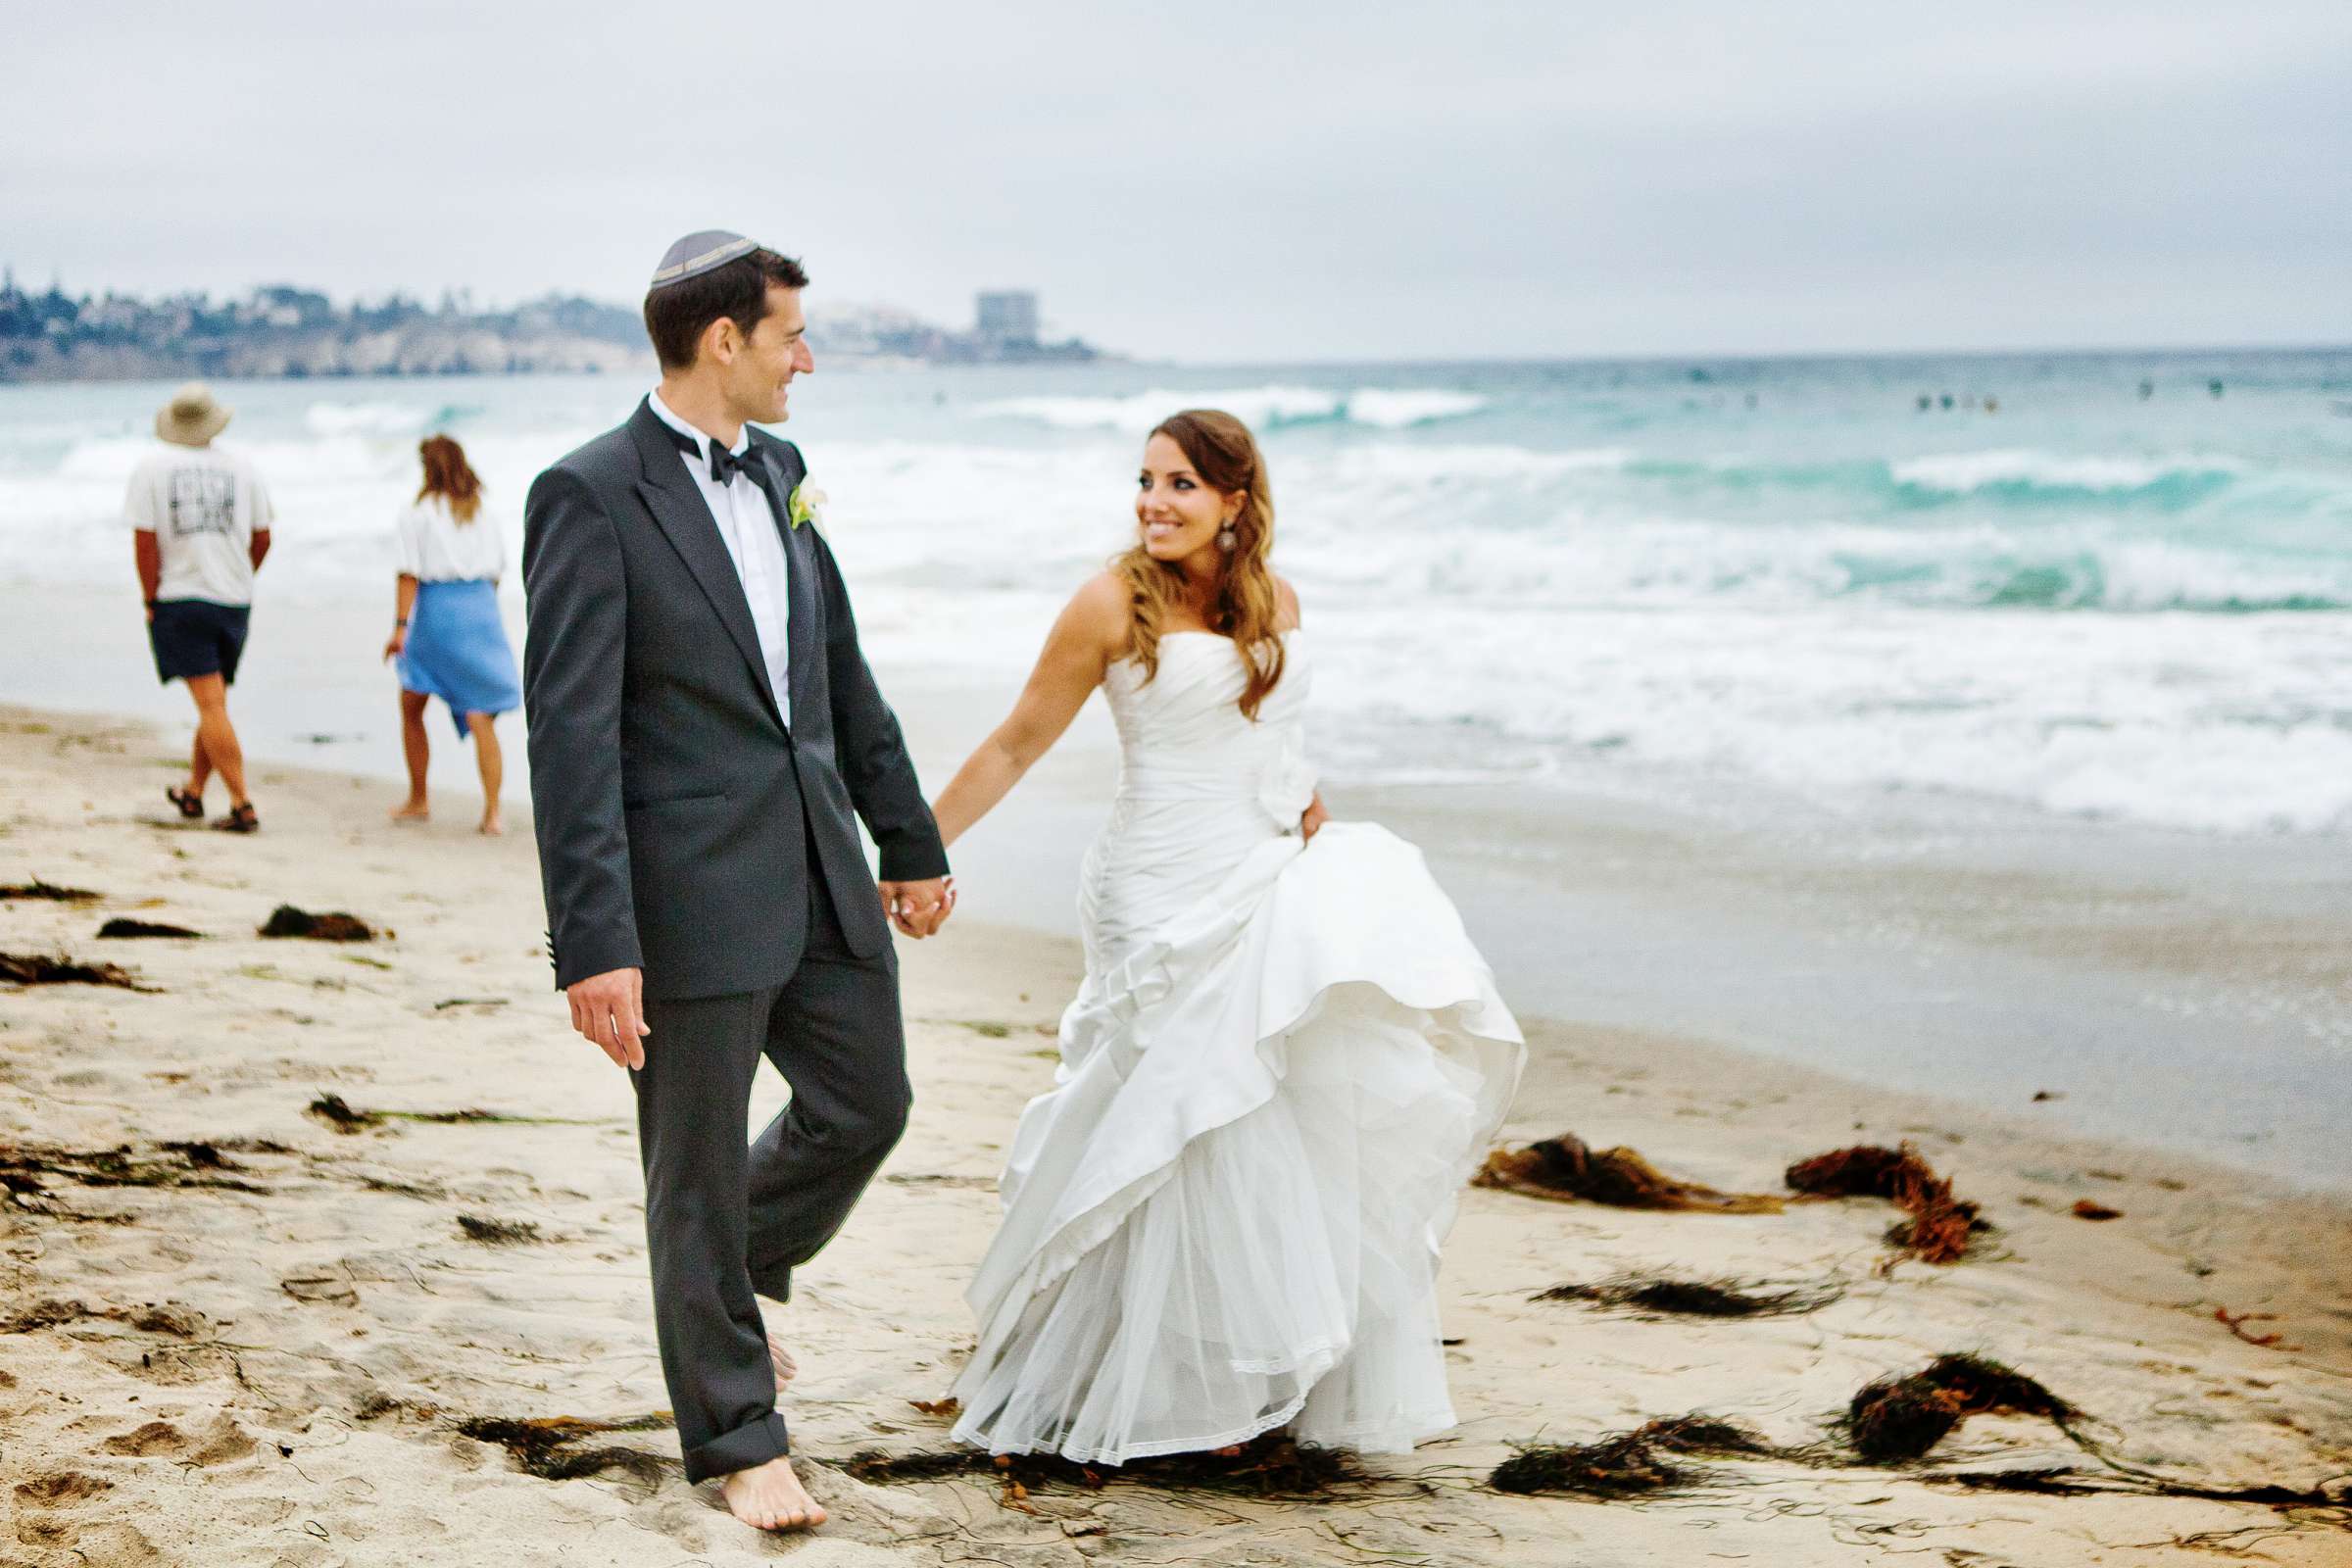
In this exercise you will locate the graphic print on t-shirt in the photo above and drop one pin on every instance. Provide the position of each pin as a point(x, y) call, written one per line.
point(203, 501)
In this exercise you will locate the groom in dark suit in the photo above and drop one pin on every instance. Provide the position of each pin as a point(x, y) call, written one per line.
point(702, 726)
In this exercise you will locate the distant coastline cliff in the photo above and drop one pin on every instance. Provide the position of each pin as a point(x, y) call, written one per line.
point(281, 331)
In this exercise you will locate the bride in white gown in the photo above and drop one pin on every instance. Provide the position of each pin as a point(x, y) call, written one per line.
point(1286, 1057)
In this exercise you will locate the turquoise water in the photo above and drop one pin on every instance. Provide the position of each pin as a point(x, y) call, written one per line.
point(1659, 576)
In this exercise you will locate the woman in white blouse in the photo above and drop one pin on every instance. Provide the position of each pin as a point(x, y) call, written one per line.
point(448, 637)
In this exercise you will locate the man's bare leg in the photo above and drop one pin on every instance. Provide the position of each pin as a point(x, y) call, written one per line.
point(216, 735)
point(769, 1496)
point(200, 767)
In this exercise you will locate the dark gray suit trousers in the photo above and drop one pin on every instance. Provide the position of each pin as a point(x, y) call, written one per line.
point(723, 1221)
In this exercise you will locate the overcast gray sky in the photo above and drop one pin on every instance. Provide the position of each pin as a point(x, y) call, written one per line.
point(1219, 181)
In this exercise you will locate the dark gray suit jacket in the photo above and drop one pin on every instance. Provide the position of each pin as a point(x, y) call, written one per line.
point(674, 809)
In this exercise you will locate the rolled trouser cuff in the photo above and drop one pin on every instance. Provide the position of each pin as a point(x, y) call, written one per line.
point(753, 1443)
point(771, 1280)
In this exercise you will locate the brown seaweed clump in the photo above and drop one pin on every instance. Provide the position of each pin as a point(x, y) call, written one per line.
point(339, 1114)
point(1565, 1171)
point(544, 1447)
point(2063, 1483)
point(49, 892)
point(1626, 1464)
point(1724, 1298)
point(288, 921)
point(336, 1112)
point(1940, 1226)
point(1902, 1418)
point(1271, 1465)
point(124, 926)
point(498, 1231)
point(34, 969)
point(27, 1168)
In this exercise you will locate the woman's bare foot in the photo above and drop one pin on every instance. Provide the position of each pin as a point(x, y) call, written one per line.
point(491, 827)
point(411, 810)
point(769, 1496)
point(781, 1360)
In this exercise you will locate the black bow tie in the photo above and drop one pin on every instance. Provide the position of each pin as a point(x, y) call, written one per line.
point(724, 464)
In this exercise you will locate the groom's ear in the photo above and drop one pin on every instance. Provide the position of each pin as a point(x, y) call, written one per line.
point(721, 340)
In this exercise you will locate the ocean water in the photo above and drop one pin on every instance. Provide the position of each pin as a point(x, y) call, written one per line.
point(2110, 586)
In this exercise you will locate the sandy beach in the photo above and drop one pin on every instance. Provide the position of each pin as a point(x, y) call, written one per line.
point(236, 1329)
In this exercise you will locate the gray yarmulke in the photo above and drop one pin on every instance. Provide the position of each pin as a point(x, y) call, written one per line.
point(698, 254)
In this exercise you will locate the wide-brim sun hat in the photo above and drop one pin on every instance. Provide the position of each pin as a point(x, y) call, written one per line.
point(192, 417)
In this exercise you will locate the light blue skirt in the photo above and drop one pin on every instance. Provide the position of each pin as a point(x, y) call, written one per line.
point(457, 651)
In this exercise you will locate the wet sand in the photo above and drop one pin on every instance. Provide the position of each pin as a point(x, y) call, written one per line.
point(232, 1332)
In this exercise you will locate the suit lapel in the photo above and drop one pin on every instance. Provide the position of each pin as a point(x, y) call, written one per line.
point(685, 521)
point(801, 628)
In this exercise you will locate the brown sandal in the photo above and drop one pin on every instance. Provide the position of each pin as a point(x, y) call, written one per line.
point(190, 806)
point(240, 819)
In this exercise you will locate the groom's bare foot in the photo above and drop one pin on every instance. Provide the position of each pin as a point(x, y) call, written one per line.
point(769, 1496)
point(781, 1360)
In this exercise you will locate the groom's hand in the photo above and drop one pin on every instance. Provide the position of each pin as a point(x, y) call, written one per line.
point(610, 1009)
point(918, 909)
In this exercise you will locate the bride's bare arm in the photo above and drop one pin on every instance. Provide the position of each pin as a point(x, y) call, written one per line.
point(1287, 599)
point(1090, 634)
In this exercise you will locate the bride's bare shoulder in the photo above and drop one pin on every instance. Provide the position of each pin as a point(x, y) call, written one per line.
point(1285, 606)
point(1099, 612)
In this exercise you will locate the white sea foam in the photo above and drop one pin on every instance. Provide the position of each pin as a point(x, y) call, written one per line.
point(1964, 472)
point(1395, 410)
point(1140, 411)
point(1266, 406)
point(2039, 709)
point(366, 419)
point(1568, 590)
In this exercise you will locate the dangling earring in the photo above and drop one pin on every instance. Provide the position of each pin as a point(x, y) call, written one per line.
point(1227, 538)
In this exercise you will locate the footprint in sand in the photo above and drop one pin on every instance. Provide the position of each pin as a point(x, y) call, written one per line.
point(156, 1436)
point(221, 1443)
point(59, 1491)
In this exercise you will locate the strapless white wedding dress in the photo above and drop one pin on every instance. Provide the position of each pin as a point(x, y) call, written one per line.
point(1285, 1062)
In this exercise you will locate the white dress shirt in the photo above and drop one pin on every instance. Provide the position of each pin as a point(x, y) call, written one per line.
point(755, 541)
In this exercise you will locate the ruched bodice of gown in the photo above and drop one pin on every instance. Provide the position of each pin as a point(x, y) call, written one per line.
point(1283, 1063)
point(1201, 786)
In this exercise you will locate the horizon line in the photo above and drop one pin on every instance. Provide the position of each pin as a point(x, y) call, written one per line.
point(1342, 361)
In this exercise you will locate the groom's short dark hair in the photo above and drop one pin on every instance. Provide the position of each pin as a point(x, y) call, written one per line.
point(676, 314)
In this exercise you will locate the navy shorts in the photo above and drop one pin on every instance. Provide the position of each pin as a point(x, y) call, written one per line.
point(197, 637)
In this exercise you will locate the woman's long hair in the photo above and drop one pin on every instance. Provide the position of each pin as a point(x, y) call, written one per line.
point(1243, 604)
point(448, 475)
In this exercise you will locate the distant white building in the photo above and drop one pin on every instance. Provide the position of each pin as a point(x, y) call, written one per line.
point(1007, 318)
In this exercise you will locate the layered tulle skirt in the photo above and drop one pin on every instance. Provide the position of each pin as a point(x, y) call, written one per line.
point(1226, 1216)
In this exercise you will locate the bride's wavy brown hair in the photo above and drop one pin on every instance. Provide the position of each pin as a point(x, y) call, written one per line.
point(1243, 604)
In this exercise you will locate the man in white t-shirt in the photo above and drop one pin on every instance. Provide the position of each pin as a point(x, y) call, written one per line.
point(202, 526)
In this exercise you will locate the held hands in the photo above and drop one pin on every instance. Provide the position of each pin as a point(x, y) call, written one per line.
point(608, 1008)
point(1312, 822)
point(918, 909)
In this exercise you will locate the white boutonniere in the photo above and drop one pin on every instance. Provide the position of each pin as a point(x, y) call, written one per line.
point(806, 505)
